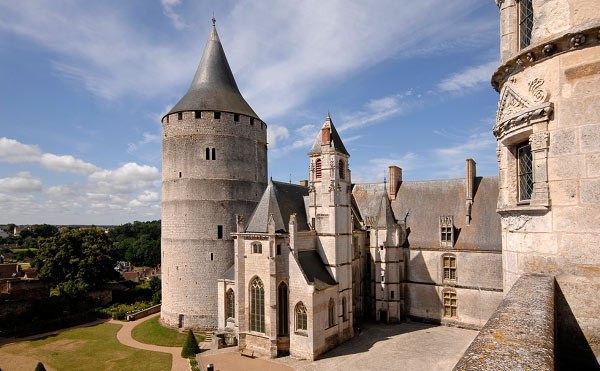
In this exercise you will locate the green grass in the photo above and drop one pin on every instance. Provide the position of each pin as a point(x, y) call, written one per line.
point(152, 332)
point(89, 348)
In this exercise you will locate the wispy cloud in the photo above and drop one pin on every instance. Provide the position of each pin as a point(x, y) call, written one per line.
point(168, 6)
point(468, 78)
point(377, 110)
point(377, 168)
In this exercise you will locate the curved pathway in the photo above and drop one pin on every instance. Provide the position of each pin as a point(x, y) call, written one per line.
point(124, 336)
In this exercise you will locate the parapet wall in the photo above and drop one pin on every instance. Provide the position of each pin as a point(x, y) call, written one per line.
point(520, 334)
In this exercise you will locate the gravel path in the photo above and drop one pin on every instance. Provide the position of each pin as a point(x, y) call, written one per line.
point(124, 337)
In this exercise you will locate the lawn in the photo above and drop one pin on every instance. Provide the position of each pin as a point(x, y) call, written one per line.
point(89, 348)
point(151, 332)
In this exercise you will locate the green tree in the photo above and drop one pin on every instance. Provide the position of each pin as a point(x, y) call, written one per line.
point(76, 259)
point(190, 347)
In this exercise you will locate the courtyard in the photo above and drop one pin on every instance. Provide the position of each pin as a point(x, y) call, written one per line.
point(406, 346)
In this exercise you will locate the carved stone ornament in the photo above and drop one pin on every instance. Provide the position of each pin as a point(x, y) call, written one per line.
point(577, 40)
point(530, 57)
point(535, 88)
point(515, 223)
point(539, 140)
point(509, 104)
point(548, 49)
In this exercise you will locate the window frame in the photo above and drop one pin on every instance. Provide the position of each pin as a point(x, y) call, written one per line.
point(331, 313)
point(300, 318)
point(524, 176)
point(257, 305)
point(256, 247)
point(524, 22)
point(229, 304)
point(450, 303)
point(446, 231)
point(449, 271)
point(318, 168)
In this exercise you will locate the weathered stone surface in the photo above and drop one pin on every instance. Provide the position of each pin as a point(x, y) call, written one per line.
point(563, 142)
point(592, 165)
point(590, 191)
point(564, 192)
point(590, 138)
point(520, 334)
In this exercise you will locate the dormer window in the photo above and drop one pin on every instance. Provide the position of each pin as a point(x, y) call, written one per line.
point(446, 231)
point(525, 22)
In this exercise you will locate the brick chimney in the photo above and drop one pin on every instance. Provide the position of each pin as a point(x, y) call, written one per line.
point(470, 188)
point(304, 183)
point(395, 180)
point(326, 135)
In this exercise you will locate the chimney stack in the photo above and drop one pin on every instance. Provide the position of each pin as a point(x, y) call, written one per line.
point(470, 187)
point(326, 135)
point(304, 183)
point(395, 180)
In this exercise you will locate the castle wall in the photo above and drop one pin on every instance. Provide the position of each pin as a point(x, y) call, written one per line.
point(200, 200)
point(549, 97)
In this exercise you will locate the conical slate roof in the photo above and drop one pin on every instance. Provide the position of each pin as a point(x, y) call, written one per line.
point(336, 141)
point(214, 87)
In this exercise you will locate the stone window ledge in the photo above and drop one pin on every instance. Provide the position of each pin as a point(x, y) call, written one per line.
point(527, 209)
point(301, 333)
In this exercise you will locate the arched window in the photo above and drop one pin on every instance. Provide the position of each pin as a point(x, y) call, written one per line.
point(341, 168)
point(256, 248)
point(331, 312)
point(318, 168)
point(257, 305)
point(229, 304)
point(282, 310)
point(344, 309)
point(301, 317)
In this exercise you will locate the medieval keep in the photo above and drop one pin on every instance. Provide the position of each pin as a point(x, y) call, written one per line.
point(280, 268)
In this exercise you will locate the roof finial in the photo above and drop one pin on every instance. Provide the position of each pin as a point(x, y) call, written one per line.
point(328, 115)
point(214, 20)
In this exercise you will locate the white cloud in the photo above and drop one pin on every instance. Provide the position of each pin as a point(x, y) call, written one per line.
point(66, 164)
point(23, 182)
point(275, 133)
point(128, 178)
point(378, 168)
point(168, 6)
point(480, 146)
point(379, 109)
point(13, 151)
point(468, 78)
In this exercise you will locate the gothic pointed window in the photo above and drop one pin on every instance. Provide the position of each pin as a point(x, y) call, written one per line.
point(341, 168)
point(230, 304)
point(301, 317)
point(331, 313)
point(318, 168)
point(525, 22)
point(282, 310)
point(525, 169)
point(257, 306)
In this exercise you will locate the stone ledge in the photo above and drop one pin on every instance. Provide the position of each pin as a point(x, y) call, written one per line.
point(520, 334)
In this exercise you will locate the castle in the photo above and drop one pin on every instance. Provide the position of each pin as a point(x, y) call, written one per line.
point(282, 268)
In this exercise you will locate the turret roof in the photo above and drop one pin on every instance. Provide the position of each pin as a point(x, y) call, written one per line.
point(213, 87)
point(336, 141)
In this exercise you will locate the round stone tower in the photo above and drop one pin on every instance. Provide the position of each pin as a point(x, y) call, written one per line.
point(214, 166)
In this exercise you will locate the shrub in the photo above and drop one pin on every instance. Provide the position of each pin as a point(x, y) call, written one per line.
point(190, 347)
point(40, 367)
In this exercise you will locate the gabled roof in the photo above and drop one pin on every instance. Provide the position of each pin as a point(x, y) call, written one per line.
point(213, 87)
point(280, 200)
point(336, 141)
point(373, 204)
point(314, 269)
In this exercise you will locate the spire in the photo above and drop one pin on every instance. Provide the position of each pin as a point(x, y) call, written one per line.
point(213, 87)
point(332, 137)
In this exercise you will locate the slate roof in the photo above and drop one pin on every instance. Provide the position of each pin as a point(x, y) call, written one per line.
point(426, 201)
point(213, 87)
point(373, 204)
point(229, 274)
point(280, 200)
point(315, 269)
point(336, 141)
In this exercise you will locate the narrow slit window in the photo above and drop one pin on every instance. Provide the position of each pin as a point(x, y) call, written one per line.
point(211, 256)
point(236, 117)
point(220, 232)
point(525, 169)
point(217, 115)
point(318, 168)
point(278, 249)
point(251, 120)
point(180, 174)
point(214, 154)
point(198, 114)
point(179, 115)
point(208, 153)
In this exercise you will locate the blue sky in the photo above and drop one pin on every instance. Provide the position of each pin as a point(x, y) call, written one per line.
point(84, 84)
